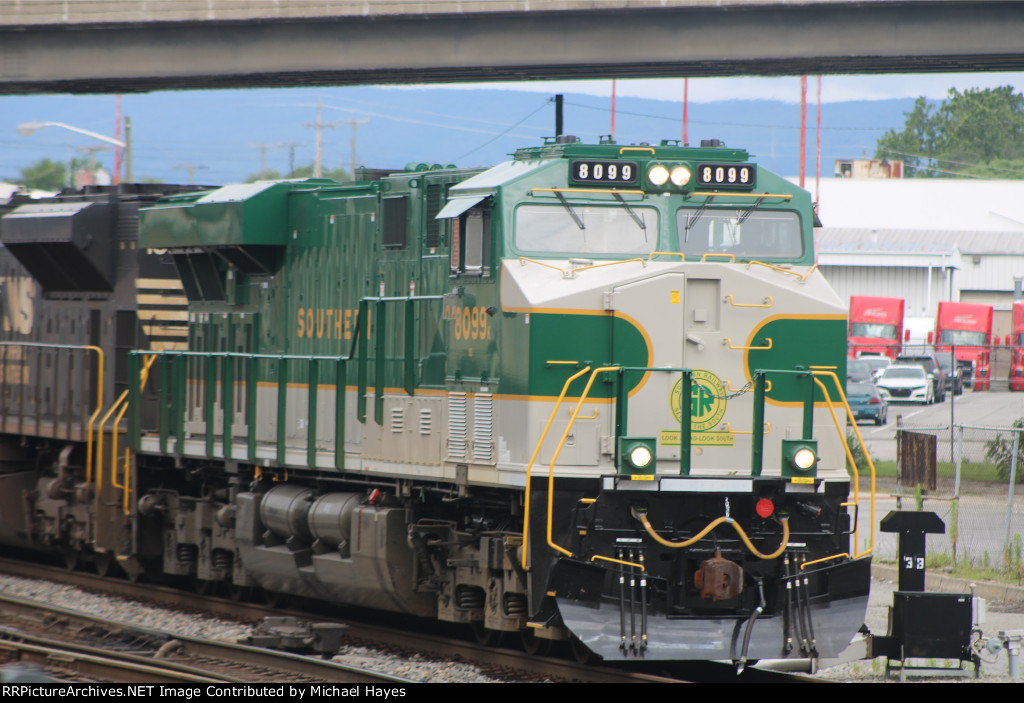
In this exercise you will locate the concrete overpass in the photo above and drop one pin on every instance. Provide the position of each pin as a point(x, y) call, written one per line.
point(109, 46)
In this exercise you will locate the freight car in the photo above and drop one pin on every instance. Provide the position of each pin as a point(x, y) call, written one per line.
point(592, 393)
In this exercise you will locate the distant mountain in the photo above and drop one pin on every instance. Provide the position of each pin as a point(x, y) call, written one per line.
point(220, 135)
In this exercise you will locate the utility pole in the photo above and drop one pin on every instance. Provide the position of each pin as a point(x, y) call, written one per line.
point(319, 126)
point(262, 146)
point(191, 168)
point(291, 147)
point(91, 150)
point(355, 127)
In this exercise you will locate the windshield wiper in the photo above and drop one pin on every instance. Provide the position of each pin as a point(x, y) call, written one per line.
point(639, 220)
point(572, 213)
point(748, 213)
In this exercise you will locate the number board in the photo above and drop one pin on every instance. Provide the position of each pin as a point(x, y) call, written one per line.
point(619, 173)
point(718, 175)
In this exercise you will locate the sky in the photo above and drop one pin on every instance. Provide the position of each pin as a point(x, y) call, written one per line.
point(216, 135)
point(933, 86)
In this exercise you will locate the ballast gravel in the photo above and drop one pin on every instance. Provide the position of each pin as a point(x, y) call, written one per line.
point(157, 618)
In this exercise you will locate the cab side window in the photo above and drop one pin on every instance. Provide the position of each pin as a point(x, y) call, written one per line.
point(471, 243)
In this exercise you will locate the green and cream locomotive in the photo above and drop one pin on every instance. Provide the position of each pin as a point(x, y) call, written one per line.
point(593, 392)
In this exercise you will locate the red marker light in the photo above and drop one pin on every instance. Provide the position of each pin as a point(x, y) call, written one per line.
point(374, 495)
point(765, 507)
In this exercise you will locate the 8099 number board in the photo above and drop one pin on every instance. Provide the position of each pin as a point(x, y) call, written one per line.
point(718, 175)
point(618, 173)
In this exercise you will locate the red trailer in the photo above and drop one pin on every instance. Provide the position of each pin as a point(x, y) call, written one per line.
point(1015, 342)
point(876, 326)
point(966, 328)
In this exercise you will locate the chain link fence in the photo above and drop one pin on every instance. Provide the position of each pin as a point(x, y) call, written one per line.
point(976, 487)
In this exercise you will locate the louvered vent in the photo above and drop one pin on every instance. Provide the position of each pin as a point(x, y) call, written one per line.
point(397, 417)
point(483, 428)
point(426, 422)
point(458, 429)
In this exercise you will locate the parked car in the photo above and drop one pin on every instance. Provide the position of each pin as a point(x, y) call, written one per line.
point(867, 402)
point(907, 382)
point(858, 371)
point(954, 373)
point(931, 367)
point(878, 364)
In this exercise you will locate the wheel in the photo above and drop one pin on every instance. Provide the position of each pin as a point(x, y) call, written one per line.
point(532, 644)
point(72, 557)
point(274, 599)
point(203, 587)
point(484, 636)
point(580, 653)
point(104, 563)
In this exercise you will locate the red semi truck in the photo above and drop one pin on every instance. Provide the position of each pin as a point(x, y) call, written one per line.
point(876, 326)
point(966, 328)
point(1016, 344)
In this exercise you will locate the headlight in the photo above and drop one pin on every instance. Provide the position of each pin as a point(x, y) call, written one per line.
point(804, 459)
point(680, 176)
point(658, 175)
point(640, 456)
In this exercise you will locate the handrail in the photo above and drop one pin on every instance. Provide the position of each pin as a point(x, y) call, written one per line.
point(623, 150)
point(730, 257)
point(768, 302)
point(602, 191)
point(711, 526)
point(536, 451)
point(766, 430)
point(113, 439)
point(849, 454)
point(524, 259)
point(643, 263)
point(747, 388)
point(728, 342)
point(680, 254)
point(618, 561)
point(558, 449)
point(100, 359)
point(801, 276)
point(727, 194)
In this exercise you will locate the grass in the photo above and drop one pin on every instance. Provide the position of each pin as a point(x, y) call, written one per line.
point(976, 568)
point(969, 471)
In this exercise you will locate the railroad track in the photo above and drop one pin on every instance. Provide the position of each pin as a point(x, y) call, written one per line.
point(90, 647)
point(506, 664)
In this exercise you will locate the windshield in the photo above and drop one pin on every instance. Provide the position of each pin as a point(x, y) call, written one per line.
point(746, 234)
point(586, 229)
point(891, 373)
point(962, 337)
point(873, 329)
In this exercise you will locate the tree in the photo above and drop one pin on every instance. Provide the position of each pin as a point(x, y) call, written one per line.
point(44, 175)
point(49, 175)
point(337, 174)
point(974, 133)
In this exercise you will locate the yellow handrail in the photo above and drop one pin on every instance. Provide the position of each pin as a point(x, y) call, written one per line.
point(680, 254)
point(558, 449)
point(730, 257)
point(728, 342)
point(748, 388)
point(849, 454)
point(610, 263)
point(603, 191)
point(728, 428)
point(712, 525)
point(524, 259)
point(624, 149)
point(144, 378)
point(618, 561)
point(726, 194)
point(536, 451)
point(801, 276)
point(768, 302)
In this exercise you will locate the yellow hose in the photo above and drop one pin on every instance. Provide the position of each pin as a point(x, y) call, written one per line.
point(715, 523)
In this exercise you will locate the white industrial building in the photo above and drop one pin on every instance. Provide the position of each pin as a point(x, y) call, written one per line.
point(924, 240)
